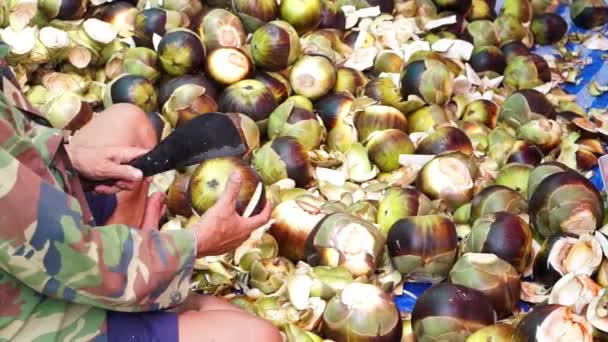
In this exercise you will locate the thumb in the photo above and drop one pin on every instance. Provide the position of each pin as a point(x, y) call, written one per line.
point(260, 219)
point(231, 192)
point(126, 154)
point(121, 172)
point(153, 211)
point(155, 203)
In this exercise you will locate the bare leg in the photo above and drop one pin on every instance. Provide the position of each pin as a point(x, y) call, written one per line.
point(228, 326)
point(196, 302)
point(208, 318)
point(121, 125)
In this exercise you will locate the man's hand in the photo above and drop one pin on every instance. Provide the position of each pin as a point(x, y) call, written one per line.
point(221, 229)
point(107, 163)
point(156, 207)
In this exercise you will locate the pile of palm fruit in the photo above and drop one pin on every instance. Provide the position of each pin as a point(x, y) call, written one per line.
point(397, 140)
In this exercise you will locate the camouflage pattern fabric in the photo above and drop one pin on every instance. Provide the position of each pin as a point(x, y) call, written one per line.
point(59, 274)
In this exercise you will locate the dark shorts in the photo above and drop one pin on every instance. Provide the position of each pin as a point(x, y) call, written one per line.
point(102, 206)
point(156, 326)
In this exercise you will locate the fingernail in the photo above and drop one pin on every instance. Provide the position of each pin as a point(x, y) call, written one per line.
point(137, 174)
point(236, 176)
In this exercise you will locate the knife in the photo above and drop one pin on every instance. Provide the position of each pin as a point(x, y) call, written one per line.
point(207, 136)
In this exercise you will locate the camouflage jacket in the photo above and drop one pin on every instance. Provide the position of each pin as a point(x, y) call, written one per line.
point(58, 273)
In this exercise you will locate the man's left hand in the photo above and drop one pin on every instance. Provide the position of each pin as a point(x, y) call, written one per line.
point(156, 207)
point(107, 163)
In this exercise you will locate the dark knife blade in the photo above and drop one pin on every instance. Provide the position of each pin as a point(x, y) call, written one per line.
point(207, 136)
point(210, 135)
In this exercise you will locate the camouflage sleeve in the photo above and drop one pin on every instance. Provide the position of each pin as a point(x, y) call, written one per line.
point(46, 245)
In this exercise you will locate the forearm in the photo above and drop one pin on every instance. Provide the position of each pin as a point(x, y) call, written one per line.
point(137, 271)
point(45, 244)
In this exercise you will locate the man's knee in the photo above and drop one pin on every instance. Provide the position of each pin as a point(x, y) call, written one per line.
point(124, 110)
point(136, 120)
point(126, 113)
point(218, 325)
point(268, 332)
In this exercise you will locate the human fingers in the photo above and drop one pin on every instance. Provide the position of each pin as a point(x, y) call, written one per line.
point(126, 185)
point(254, 222)
point(154, 208)
point(160, 197)
point(156, 201)
point(125, 154)
point(107, 189)
point(231, 192)
point(119, 172)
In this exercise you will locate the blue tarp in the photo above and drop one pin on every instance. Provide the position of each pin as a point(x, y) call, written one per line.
point(598, 71)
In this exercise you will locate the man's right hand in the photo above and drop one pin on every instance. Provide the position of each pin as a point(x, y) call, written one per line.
point(221, 229)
